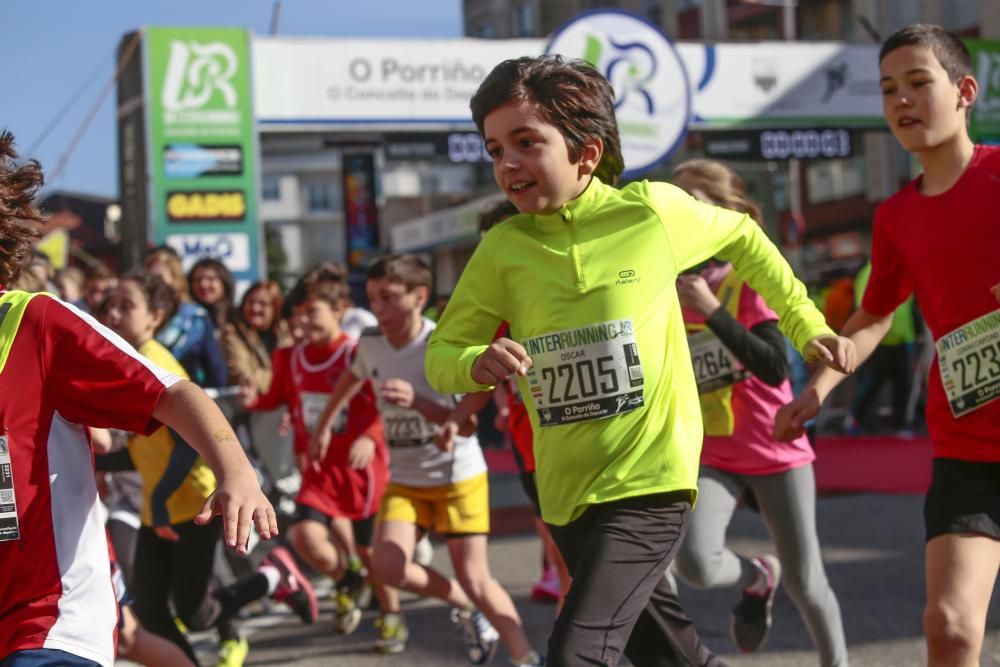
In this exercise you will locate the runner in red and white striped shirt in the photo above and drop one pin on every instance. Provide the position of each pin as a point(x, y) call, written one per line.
point(59, 369)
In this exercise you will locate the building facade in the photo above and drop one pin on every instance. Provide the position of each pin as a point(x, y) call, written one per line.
point(831, 201)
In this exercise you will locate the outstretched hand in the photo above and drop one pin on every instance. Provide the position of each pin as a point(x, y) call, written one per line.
point(790, 421)
point(837, 352)
point(445, 437)
point(240, 502)
point(319, 443)
point(361, 453)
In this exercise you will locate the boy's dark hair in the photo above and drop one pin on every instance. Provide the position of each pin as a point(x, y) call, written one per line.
point(946, 47)
point(295, 297)
point(495, 213)
point(18, 186)
point(569, 94)
point(326, 283)
point(409, 270)
point(159, 295)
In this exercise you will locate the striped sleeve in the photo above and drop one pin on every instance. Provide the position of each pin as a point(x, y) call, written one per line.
point(92, 375)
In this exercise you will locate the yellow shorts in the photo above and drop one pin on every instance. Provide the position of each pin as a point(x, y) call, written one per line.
point(462, 508)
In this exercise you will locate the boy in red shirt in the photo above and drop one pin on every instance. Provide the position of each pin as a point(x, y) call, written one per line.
point(339, 497)
point(938, 238)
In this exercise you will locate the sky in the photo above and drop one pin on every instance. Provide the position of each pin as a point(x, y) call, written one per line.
point(53, 48)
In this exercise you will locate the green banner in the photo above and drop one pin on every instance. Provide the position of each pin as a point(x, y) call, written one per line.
point(984, 126)
point(202, 146)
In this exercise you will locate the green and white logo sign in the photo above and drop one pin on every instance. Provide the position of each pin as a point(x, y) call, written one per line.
point(202, 146)
point(652, 95)
point(985, 121)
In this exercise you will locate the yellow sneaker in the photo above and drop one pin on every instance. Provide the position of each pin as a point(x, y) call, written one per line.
point(346, 611)
point(392, 633)
point(346, 616)
point(233, 653)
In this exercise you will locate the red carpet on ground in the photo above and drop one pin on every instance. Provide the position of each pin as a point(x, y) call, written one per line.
point(869, 464)
point(873, 464)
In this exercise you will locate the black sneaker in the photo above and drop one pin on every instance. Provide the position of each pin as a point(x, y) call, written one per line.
point(752, 616)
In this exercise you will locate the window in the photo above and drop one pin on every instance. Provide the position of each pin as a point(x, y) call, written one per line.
point(483, 30)
point(524, 20)
point(269, 188)
point(830, 180)
point(321, 197)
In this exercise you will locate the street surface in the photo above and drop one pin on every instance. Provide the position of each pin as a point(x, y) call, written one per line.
point(873, 548)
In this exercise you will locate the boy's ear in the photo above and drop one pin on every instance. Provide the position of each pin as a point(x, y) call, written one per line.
point(590, 156)
point(423, 295)
point(968, 91)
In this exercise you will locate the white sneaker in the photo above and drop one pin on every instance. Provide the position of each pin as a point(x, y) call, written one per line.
point(481, 638)
point(423, 554)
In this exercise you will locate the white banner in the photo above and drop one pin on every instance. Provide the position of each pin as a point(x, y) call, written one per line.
point(427, 84)
point(407, 83)
point(784, 84)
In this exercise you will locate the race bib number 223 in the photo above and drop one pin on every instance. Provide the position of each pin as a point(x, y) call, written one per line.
point(969, 359)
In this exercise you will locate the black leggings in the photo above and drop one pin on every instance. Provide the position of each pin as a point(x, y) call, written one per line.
point(180, 573)
point(619, 601)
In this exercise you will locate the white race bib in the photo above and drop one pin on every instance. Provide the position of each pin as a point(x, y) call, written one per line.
point(9, 529)
point(591, 372)
point(715, 366)
point(405, 427)
point(313, 404)
point(969, 358)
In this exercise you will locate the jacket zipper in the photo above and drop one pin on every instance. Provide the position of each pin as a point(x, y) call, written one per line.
point(574, 253)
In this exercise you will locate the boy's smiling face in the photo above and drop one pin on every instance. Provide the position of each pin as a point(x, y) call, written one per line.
point(923, 107)
point(322, 321)
point(531, 162)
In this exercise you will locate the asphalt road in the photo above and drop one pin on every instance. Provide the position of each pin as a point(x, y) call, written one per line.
point(873, 548)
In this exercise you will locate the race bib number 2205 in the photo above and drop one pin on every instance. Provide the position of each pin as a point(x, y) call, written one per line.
point(591, 372)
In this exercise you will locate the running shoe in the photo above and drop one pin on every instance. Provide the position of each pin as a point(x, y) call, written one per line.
point(546, 591)
point(481, 638)
point(392, 633)
point(752, 616)
point(346, 611)
point(423, 553)
point(294, 588)
point(232, 652)
point(530, 660)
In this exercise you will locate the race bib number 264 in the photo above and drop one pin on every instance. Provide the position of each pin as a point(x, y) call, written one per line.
point(591, 372)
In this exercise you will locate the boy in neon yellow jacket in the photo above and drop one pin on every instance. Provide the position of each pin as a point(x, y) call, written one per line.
point(585, 278)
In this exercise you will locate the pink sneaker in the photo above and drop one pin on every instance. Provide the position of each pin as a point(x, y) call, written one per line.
point(751, 622)
point(546, 591)
point(294, 589)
